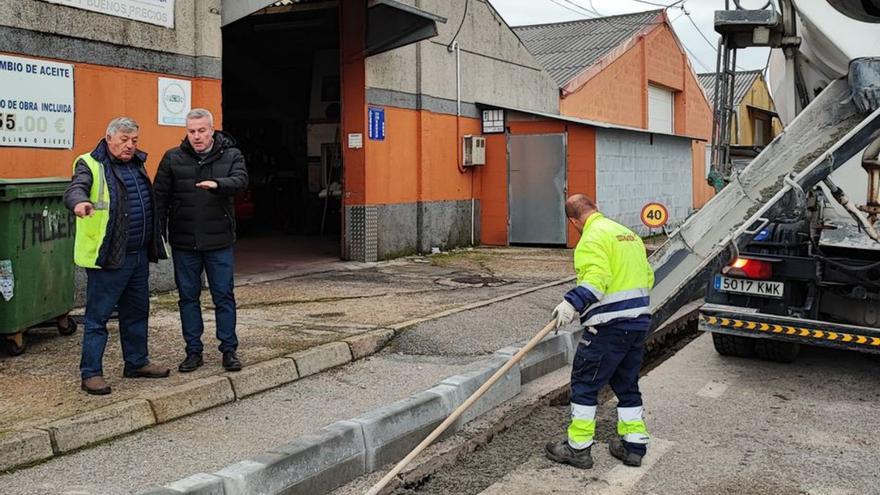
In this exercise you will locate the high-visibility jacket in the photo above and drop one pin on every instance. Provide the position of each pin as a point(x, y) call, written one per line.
point(614, 277)
point(92, 231)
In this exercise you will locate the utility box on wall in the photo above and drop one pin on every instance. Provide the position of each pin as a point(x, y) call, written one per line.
point(473, 150)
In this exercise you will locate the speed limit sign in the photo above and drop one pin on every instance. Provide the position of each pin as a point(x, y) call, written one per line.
point(654, 215)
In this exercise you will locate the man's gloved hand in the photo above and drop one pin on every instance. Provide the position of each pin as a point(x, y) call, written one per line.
point(564, 314)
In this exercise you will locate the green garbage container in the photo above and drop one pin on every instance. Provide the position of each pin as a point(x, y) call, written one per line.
point(36, 258)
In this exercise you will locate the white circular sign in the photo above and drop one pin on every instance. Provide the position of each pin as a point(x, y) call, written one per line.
point(174, 98)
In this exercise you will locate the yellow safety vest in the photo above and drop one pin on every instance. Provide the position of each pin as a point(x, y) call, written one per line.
point(91, 231)
point(613, 273)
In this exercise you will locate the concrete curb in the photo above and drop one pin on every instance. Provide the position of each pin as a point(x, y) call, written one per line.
point(24, 447)
point(95, 426)
point(320, 358)
point(315, 463)
point(369, 343)
point(263, 376)
point(390, 432)
point(552, 353)
point(191, 397)
point(343, 451)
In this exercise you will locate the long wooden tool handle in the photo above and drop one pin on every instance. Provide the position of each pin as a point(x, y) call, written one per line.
point(462, 408)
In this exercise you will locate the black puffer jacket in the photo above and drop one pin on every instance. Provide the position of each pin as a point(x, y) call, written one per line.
point(198, 219)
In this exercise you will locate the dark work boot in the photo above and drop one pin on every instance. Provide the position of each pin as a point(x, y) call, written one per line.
point(231, 361)
point(617, 449)
point(562, 452)
point(95, 385)
point(148, 371)
point(192, 362)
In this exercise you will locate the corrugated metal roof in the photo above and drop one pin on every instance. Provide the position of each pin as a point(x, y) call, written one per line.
point(565, 49)
point(742, 83)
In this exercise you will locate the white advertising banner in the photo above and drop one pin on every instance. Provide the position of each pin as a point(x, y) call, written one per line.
point(175, 101)
point(159, 12)
point(36, 103)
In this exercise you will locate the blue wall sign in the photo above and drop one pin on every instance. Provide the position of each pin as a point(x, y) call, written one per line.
point(377, 123)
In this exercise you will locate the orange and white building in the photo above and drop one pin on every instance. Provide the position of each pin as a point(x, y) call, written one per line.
point(353, 114)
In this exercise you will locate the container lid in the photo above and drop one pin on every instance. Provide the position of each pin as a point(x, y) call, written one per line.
point(41, 187)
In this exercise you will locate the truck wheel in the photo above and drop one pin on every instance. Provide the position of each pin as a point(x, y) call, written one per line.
point(733, 345)
point(772, 350)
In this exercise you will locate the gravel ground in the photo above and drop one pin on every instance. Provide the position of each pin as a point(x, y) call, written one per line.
point(485, 329)
point(274, 318)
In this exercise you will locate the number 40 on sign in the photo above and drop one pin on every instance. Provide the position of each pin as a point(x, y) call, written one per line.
point(654, 215)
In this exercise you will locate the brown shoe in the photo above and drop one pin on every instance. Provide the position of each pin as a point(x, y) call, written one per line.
point(148, 371)
point(95, 385)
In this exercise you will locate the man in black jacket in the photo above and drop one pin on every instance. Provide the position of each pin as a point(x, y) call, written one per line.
point(195, 186)
point(116, 238)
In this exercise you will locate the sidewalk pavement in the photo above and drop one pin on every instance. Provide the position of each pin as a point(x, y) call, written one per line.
point(289, 328)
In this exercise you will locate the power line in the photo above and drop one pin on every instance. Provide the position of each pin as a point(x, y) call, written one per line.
point(588, 13)
point(695, 58)
point(566, 7)
point(612, 21)
point(652, 3)
point(463, 17)
point(688, 14)
point(683, 45)
point(584, 11)
point(711, 45)
point(591, 11)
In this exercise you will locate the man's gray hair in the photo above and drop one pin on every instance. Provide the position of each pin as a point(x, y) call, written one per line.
point(200, 113)
point(122, 124)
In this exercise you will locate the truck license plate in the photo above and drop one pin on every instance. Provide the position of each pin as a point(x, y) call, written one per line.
point(761, 288)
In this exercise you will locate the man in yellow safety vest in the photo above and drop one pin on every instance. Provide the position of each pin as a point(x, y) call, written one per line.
point(116, 238)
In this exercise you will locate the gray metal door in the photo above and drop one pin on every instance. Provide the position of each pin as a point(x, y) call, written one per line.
point(536, 170)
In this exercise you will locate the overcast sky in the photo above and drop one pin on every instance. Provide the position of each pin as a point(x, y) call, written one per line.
point(519, 12)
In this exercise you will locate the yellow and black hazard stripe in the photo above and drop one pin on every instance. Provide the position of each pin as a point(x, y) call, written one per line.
point(811, 333)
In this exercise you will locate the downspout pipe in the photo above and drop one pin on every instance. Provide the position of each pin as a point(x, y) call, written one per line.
point(456, 48)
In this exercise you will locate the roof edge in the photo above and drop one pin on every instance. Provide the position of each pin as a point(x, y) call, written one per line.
point(591, 123)
point(750, 71)
point(575, 83)
point(585, 20)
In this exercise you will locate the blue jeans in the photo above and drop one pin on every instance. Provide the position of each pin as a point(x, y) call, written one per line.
point(219, 266)
point(128, 287)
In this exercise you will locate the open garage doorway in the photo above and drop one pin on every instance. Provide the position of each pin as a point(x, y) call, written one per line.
point(281, 102)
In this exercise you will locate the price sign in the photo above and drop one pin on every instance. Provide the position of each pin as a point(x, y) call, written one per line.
point(654, 215)
point(36, 103)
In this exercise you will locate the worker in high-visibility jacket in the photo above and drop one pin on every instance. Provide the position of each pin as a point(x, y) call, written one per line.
point(612, 299)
